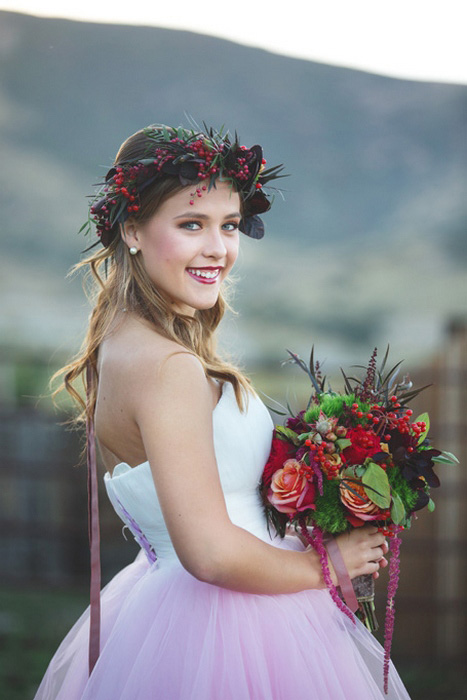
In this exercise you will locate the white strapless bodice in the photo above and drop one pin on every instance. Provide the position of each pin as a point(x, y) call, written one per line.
point(242, 442)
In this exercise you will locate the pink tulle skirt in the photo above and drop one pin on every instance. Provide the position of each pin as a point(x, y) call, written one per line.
point(167, 636)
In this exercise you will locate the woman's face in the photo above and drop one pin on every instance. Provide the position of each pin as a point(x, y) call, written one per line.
point(189, 249)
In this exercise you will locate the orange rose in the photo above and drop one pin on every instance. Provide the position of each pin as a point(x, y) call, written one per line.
point(290, 491)
point(358, 505)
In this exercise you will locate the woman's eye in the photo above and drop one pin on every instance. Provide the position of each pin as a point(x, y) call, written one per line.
point(231, 226)
point(191, 225)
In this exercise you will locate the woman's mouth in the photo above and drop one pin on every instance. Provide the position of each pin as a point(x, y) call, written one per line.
point(205, 275)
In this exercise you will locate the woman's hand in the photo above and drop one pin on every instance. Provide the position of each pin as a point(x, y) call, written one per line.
point(363, 551)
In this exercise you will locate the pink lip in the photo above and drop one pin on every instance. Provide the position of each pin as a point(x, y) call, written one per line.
point(205, 280)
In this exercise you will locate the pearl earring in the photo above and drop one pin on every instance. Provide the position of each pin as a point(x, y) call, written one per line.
point(133, 250)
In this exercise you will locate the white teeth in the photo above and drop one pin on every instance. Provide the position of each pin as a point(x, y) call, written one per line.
point(208, 274)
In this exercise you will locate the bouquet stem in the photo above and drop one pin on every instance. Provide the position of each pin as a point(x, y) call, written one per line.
point(364, 587)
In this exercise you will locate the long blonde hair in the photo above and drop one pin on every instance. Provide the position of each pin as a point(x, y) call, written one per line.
point(119, 281)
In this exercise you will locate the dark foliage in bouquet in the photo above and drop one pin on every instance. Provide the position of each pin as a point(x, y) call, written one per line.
point(348, 459)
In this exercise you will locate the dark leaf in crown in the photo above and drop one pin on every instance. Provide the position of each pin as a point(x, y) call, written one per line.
point(107, 236)
point(252, 226)
point(257, 204)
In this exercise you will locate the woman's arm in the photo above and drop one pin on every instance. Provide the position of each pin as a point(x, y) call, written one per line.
point(173, 410)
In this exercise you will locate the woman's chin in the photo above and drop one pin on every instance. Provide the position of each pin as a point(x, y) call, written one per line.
point(190, 310)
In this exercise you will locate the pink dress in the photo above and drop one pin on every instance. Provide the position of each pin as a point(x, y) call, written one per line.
point(167, 636)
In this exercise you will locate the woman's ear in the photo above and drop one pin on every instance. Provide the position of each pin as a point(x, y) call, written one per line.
point(129, 233)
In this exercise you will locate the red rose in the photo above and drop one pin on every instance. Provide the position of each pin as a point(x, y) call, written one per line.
point(290, 491)
point(364, 444)
point(280, 452)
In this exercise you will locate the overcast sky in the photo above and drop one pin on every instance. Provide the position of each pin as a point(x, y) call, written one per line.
point(417, 39)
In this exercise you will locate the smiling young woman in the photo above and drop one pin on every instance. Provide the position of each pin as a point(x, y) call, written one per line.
point(215, 606)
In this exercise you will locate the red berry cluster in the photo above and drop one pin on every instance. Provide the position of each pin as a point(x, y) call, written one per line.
point(369, 415)
point(242, 172)
point(400, 421)
point(319, 454)
point(120, 188)
point(418, 428)
point(122, 184)
point(101, 218)
point(306, 471)
point(198, 193)
point(390, 418)
point(206, 156)
point(390, 530)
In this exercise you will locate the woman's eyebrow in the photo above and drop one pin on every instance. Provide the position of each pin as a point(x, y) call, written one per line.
point(195, 215)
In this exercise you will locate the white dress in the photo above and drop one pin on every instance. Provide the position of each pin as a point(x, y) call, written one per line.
point(167, 636)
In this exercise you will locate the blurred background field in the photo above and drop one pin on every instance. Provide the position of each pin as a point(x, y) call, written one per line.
point(367, 246)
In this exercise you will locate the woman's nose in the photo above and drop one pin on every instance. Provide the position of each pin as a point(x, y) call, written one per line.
point(215, 245)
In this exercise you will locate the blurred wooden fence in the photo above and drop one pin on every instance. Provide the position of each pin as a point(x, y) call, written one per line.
point(444, 532)
point(43, 505)
point(43, 515)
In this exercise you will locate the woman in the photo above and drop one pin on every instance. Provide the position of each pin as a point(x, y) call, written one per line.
point(217, 609)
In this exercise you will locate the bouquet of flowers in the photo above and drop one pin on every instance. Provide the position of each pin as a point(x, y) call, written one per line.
point(348, 459)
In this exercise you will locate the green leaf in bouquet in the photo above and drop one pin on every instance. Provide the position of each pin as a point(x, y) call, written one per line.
point(391, 376)
point(397, 510)
point(312, 359)
point(310, 372)
point(288, 433)
point(431, 505)
point(342, 443)
point(348, 386)
point(407, 396)
point(446, 458)
point(281, 411)
point(424, 418)
point(379, 374)
point(277, 520)
point(376, 485)
point(274, 410)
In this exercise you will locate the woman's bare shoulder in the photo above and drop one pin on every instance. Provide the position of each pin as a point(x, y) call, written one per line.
point(143, 379)
point(134, 348)
point(139, 360)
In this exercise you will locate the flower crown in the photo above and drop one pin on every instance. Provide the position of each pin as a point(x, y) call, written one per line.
point(195, 158)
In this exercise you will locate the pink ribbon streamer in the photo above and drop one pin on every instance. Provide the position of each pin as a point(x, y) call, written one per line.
point(342, 574)
point(93, 530)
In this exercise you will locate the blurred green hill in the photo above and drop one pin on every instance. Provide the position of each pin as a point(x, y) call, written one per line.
point(368, 246)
